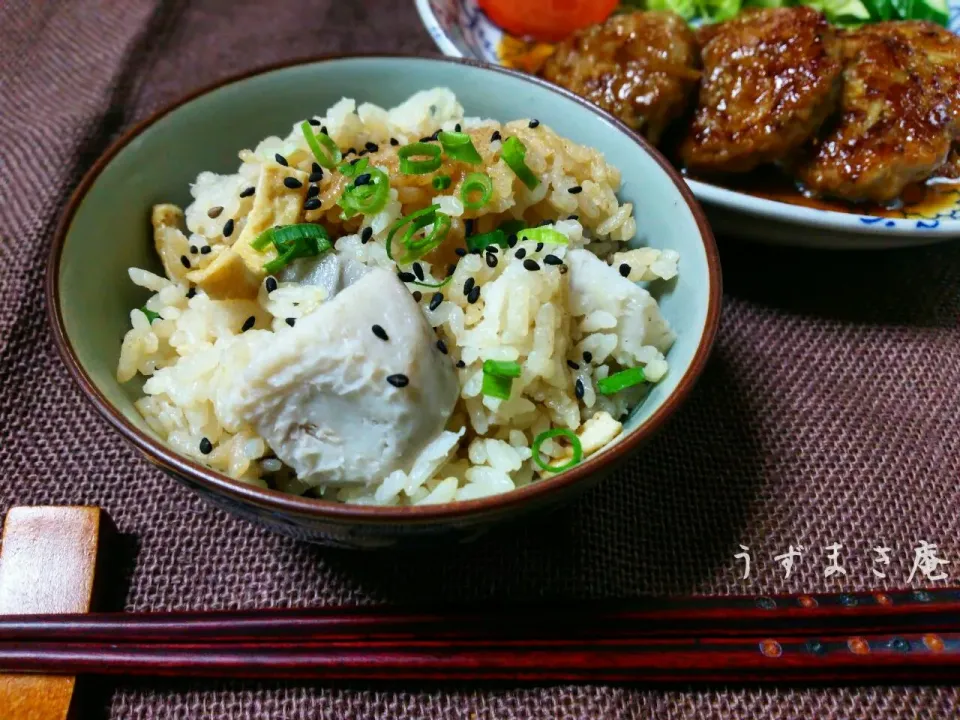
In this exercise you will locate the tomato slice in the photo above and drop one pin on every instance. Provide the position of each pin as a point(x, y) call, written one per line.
point(546, 20)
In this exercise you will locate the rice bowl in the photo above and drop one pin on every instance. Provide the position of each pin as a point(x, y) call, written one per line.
point(564, 299)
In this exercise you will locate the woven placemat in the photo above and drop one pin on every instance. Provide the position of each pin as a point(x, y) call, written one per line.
point(828, 413)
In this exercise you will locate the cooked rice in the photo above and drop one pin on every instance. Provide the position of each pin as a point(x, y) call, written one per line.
point(194, 353)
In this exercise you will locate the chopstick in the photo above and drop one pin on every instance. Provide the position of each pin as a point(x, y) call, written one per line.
point(911, 635)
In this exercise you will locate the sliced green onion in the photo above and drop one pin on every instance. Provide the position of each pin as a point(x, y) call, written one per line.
point(459, 146)
point(621, 380)
point(513, 153)
point(512, 227)
point(441, 182)
point(366, 199)
point(496, 386)
point(574, 441)
point(546, 235)
point(441, 284)
point(479, 242)
point(327, 158)
point(502, 368)
point(354, 167)
point(151, 315)
point(476, 182)
point(416, 221)
point(409, 166)
point(292, 242)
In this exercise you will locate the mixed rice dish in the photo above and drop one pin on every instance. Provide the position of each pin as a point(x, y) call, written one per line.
point(399, 307)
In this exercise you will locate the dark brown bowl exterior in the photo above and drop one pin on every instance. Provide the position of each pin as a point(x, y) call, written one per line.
point(363, 527)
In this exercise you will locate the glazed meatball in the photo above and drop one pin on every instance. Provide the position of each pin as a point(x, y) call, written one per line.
point(770, 78)
point(896, 122)
point(641, 67)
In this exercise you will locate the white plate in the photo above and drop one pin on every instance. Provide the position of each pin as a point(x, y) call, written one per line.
point(460, 29)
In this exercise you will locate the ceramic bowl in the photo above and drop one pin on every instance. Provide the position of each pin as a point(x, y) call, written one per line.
point(105, 230)
point(460, 29)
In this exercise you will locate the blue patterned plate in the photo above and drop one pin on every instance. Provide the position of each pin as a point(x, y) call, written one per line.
point(460, 29)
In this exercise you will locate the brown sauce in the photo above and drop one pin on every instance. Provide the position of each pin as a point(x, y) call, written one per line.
point(923, 200)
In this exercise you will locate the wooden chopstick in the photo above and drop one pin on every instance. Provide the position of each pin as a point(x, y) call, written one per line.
point(911, 635)
point(735, 616)
point(700, 659)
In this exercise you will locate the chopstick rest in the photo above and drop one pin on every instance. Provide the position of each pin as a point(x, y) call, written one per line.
point(47, 564)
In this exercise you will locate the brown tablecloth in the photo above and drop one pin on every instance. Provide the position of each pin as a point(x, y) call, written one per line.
point(828, 414)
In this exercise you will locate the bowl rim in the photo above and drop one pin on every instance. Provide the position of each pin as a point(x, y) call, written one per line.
point(288, 504)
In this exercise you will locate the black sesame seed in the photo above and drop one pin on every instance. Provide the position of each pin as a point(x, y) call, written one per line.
point(313, 204)
point(539, 247)
point(461, 364)
point(587, 356)
point(313, 121)
point(531, 264)
point(573, 217)
point(572, 365)
point(418, 271)
point(512, 240)
point(436, 300)
point(248, 323)
point(380, 332)
point(281, 159)
point(578, 389)
point(248, 192)
point(406, 276)
point(520, 254)
point(496, 136)
point(206, 250)
point(372, 147)
point(394, 142)
point(399, 380)
point(442, 346)
point(474, 295)
point(417, 295)
point(426, 139)
point(436, 134)
point(361, 153)
point(194, 249)
point(468, 285)
point(291, 321)
point(366, 234)
point(324, 130)
point(576, 189)
point(551, 260)
point(456, 128)
point(271, 284)
point(451, 269)
point(228, 228)
point(461, 252)
point(292, 183)
point(362, 180)
point(317, 168)
point(351, 151)
point(313, 191)
point(534, 123)
point(185, 260)
point(624, 269)
point(315, 177)
point(491, 260)
point(191, 293)
point(354, 162)
point(214, 212)
point(492, 248)
point(206, 447)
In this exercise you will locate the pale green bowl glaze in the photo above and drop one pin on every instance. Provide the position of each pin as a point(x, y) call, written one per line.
point(105, 230)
